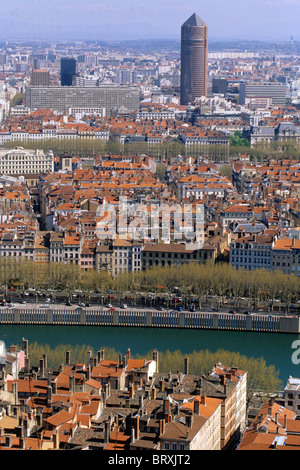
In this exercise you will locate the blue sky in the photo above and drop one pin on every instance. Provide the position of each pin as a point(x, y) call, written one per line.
point(144, 19)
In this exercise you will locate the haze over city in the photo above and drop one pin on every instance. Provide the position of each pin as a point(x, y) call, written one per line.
point(130, 20)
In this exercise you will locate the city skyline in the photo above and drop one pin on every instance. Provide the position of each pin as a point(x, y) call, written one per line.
point(116, 20)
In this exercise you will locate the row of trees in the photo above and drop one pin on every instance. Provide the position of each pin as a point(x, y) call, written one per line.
point(190, 280)
point(87, 147)
point(260, 375)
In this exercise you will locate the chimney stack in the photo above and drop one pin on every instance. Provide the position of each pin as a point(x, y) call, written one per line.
point(162, 426)
point(15, 392)
point(186, 365)
point(131, 391)
point(8, 441)
point(88, 372)
point(54, 387)
point(197, 406)
point(55, 440)
point(45, 360)
point(27, 364)
point(136, 424)
point(189, 420)
point(67, 357)
point(42, 368)
point(166, 405)
point(155, 358)
point(89, 357)
point(72, 383)
point(49, 395)
point(25, 346)
point(120, 360)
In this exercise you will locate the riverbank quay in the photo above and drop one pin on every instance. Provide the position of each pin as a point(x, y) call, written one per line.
point(150, 318)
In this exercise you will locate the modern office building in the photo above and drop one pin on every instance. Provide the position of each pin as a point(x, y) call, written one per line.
point(275, 91)
point(219, 86)
point(110, 97)
point(40, 77)
point(194, 59)
point(67, 71)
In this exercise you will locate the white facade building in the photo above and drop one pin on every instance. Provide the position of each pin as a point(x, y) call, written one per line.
point(19, 161)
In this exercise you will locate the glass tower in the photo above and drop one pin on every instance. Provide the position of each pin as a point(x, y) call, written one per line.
point(67, 71)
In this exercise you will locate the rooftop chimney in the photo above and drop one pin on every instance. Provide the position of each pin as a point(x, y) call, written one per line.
point(155, 358)
point(67, 357)
point(186, 365)
point(162, 426)
point(42, 368)
point(8, 441)
point(136, 425)
point(166, 405)
point(197, 407)
point(189, 420)
point(25, 346)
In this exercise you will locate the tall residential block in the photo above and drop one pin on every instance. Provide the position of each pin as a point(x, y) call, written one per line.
point(194, 59)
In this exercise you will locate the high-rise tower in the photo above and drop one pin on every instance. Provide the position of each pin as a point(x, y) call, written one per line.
point(67, 71)
point(194, 58)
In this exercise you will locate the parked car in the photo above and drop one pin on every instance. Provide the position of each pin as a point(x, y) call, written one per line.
point(124, 306)
point(108, 305)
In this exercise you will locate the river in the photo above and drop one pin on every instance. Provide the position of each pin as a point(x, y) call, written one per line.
point(275, 348)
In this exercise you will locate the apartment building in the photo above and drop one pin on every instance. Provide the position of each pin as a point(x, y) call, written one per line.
point(174, 254)
point(204, 138)
point(292, 395)
point(286, 256)
point(196, 425)
point(274, 428)
point(127, 256)
point(19, 161)
point(17, 245)
point(236, 213)
point(65, 247)
point(199, 187)
point(233, 407)
point(263, 251)
point(252, 252)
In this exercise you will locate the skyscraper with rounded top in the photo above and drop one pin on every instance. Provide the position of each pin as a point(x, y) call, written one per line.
point(194, 59)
